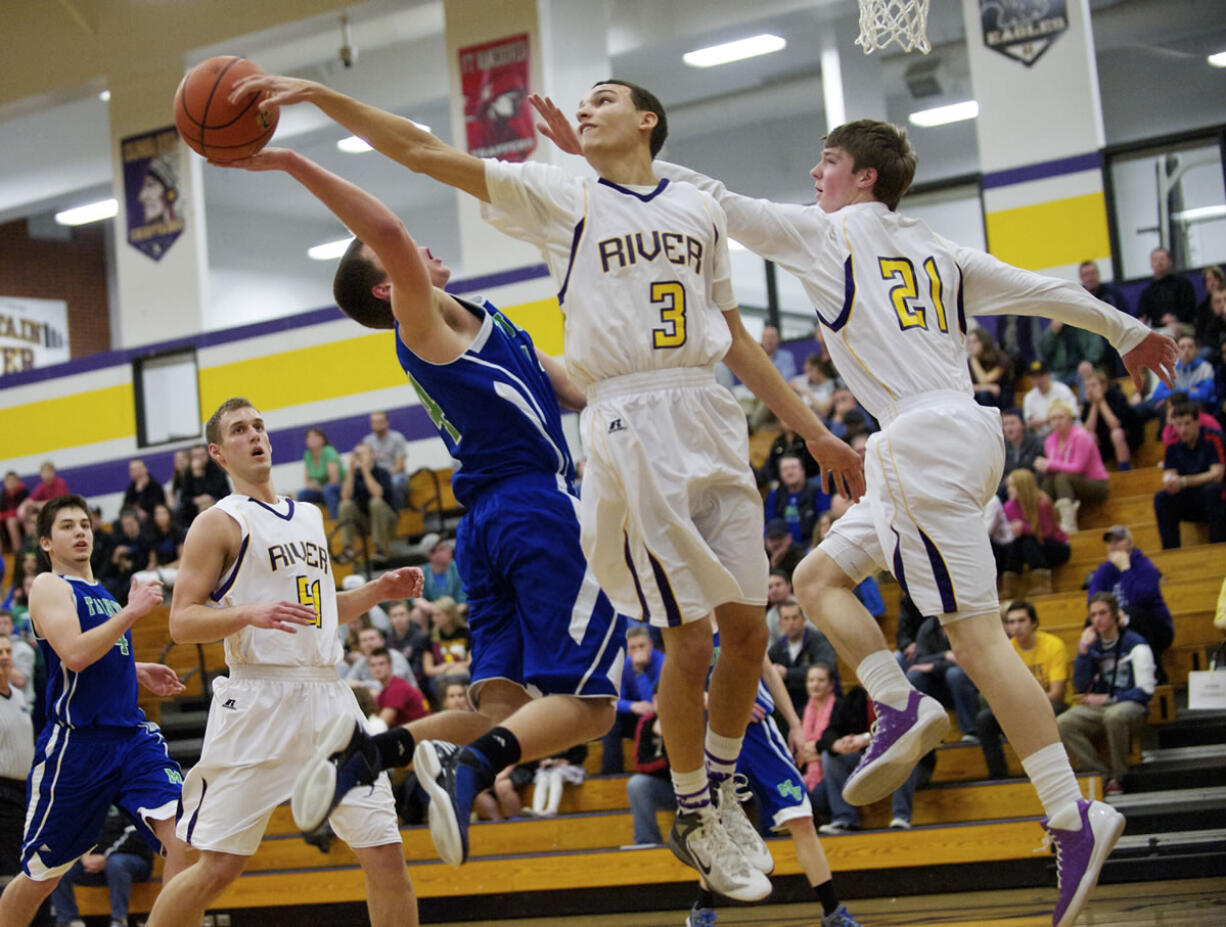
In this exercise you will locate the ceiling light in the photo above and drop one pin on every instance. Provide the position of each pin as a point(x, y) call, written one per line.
point(329, 251)
point(90, 212)
point(734, 51)
point(105, 96)
point(1218, 60)
point(943, 115)
point(1200, 213)
point(355, 145)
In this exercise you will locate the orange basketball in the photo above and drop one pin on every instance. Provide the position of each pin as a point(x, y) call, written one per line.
point(210, 123)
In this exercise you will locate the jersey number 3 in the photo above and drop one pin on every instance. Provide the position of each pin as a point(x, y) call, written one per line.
point(905, 295)
point(308, 595)
point(670, 297)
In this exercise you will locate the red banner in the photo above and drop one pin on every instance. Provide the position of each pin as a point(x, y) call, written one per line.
point(494, 78)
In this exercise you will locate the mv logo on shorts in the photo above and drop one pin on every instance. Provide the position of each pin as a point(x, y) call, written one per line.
point(229, 703)
point(174, 776)
point(616, 425)
point(789, 789)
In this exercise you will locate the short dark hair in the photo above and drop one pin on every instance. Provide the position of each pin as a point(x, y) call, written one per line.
point(1182, 409)
point(1023, 605)
point(644, 99)
point(1112, 603)
point(790, 602)
point(46, 515)
point(212, 428)
point(356, 276)
point(783, 573)
point(1013, 410)
point(1088, 263)
point(379, 652)
point(883, 147)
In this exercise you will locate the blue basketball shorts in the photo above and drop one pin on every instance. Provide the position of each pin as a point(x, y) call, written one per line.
point(78, 773)
point(536, 615)
point(777, 785)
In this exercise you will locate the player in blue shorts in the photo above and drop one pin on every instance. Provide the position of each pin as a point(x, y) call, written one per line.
point(97, 749)
point(547, 644)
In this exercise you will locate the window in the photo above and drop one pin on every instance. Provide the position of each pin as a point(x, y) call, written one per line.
point(167, 398)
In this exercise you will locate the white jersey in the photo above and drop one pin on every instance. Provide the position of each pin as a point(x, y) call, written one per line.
point(283, 557)
point(642, 272)
point(895, 296)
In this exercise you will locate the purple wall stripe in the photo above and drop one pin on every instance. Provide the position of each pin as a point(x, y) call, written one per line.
point(1043, 170)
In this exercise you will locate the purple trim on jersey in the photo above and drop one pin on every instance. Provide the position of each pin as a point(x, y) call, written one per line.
point(899, 573)
point(849, 298)
point(220, 594)
point(945, 585)
point(288, 516)
point(638, 587)
point(961, 307)
point(645, 197)
point(1043, 170)
point(671, 611)
point(574, 246)
point(191, 825)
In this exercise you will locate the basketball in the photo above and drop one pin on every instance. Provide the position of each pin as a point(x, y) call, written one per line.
point(212, 125)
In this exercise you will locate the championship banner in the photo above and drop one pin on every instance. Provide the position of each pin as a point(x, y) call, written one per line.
point(1023, 29)
point(33, 333)
point(494, 78)
point(152, 198)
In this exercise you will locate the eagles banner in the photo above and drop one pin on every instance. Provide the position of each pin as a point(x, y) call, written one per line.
point(1022, 29)
point(153, 201)
point(494, 78)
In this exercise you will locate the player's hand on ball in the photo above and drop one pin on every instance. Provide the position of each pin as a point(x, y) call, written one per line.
point(144, 597)
point(842, 468)
point(158, 679)
point(556, 127)
point(278, 91)
point(282, 616)
point(404, 583)
point(270, 159)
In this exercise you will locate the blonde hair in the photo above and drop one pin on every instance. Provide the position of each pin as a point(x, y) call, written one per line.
point(1059, 405)
point(446, 603)
point(1028, 498)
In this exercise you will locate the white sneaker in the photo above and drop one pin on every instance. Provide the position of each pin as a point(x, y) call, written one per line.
point(700, 841)
point(729, 796)
point(899, 824)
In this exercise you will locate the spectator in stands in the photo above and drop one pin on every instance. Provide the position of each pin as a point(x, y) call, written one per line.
point(450, 652)
point(778, 590)
point(1043, 392)
point(130, 555)
point(1193, 376)
point(15, 493)
point(1038, 541)
point(1135, 582)
point(783, 552)
point(819, 684)
point(1022, 446)
point(799, 647)
point(650, 789)
point(935, 671)
point(1219, 378)
point(640, 676)
point(203, 484)
point(786, 444)
point(1064, 349)
point(361, 670)
point(1045, 657)
point(1092, 281)
point(990, 369)
point(50, 485)
point(144, 493)
point(399, 701)
point(323, 473)
point(16, 758)
point(796, 500)
point(406, 637)
point(1210, 322)
point(1107, 415)
point(366, 506)
point(1000, 533)
point(816, 384)
point(391, 452)
point(1072, 468)
point(1191, 480)
point(165, 539)
point(442, 574)
point(1114, 670)
point(847, 417)
point(120, 858)
point(23, 658)
point(784, 362)
point(104, 545)
point(1169, 299)
point(182, 464)
point(909, 623)
point(552, 774)
point(841, 745)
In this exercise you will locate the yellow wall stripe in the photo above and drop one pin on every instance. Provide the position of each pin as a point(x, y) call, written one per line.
point(69, 421)
point(1052, 234)
point(542, 320)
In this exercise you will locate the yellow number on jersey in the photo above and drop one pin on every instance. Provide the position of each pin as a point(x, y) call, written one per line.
point(308, 594)
point(671, 297)
point(903, 292)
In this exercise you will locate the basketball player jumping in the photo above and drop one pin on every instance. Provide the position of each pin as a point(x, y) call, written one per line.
point(671, 518)
point(97, 749)
point(899, 340)
point(256, 572)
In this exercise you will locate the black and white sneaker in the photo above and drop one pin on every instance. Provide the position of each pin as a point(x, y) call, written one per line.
point(345, 759)
point(700, 841)
point(729, 795)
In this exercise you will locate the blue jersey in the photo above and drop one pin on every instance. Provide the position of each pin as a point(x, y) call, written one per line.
point(494, 406)
point(104, 693)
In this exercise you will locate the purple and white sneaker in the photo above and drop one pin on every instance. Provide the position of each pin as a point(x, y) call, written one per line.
point(900, 738)
point(1084, 835)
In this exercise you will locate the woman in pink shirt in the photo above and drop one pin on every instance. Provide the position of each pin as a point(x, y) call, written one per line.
point(1072, 467)
point(820, 687)
point(1037, 541)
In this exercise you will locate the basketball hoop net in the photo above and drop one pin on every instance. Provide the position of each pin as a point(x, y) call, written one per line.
point(902, 22)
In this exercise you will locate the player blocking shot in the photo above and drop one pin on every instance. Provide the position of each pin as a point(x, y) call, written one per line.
point(97, 749)
point(671, 518)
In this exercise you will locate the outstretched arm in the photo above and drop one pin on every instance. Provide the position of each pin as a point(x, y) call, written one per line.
point(397, 138)
point(53, 608)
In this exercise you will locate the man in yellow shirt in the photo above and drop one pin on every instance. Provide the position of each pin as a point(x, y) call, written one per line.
point(1045, 657)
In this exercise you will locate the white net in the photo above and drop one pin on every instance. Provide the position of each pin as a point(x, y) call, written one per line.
point(903, 22)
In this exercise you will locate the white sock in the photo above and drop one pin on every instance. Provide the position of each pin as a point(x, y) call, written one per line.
point(1052, 777)
point(884, 679)
point(693, 789)
point(721, 755)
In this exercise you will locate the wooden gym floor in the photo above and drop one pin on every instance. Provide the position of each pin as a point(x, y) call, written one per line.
point(1184, 903)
